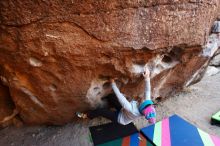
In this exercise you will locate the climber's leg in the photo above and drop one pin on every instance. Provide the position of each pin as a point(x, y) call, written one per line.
point(113, 101)
point(103, 112)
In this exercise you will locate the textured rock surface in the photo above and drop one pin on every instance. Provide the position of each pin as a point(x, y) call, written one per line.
point(6, 105)
point(215, 61)
point(55, 56)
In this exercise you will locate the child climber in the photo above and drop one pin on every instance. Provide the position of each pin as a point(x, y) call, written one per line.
point(126, 111)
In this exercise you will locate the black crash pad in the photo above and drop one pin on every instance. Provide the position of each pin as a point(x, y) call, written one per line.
point(110, 131)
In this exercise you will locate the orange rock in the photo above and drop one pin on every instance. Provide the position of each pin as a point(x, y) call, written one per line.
point(56, 56)
point(6, 106)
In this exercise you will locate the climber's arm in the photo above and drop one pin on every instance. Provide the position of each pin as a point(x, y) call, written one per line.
point(121, 98)
point(147, 89)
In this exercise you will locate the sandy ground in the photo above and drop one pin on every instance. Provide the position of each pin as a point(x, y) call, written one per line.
point(195, 104)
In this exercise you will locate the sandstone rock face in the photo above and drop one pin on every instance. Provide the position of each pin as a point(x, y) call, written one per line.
point(6, 105)
point(56, 56)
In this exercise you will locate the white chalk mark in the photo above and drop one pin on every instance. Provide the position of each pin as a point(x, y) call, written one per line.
point(35, 62)
point(156, 66)
point(96, 92)
point(4, 80)
point(53, 87)
point(137, 69)
point(32, 97)
point(51, 36)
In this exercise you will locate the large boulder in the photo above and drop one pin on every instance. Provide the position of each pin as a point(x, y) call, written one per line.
point(56, 56)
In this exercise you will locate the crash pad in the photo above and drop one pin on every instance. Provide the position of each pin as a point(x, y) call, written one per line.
point(175, 131)
point(215, 120)
point(111, 131)
point(133, 140)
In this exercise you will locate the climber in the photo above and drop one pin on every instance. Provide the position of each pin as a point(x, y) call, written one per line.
point(126, 111)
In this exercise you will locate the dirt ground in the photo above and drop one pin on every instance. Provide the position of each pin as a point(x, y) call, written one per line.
point(195, 104)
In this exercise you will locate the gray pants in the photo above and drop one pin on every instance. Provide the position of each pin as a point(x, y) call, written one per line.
point(106, 112)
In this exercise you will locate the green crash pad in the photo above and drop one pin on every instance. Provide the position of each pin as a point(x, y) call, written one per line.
point(215, 120)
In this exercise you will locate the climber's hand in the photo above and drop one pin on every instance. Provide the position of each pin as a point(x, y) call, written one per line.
point(146, 73)
point(112, 80)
